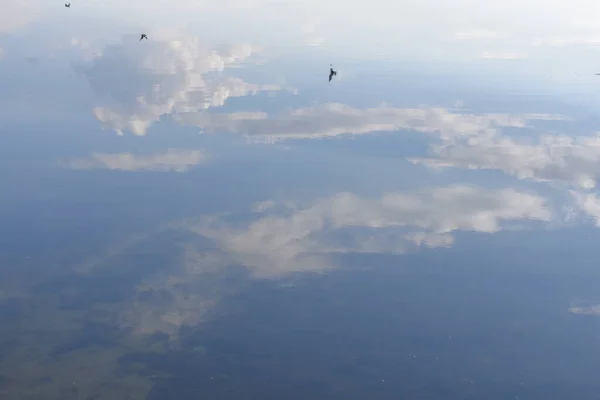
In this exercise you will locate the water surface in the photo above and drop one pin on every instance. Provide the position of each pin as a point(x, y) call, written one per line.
point(203, 215)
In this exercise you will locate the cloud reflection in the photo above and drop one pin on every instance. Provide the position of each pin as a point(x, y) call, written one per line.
point(300, 238)
point(165, 303)
point(334, 119)
point(549, 158)
point(587, 203)
point(279, 239)
point(173, 160)
point(140, 83)
point(592, 310)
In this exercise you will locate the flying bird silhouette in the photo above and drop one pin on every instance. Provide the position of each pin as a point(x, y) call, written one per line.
point(331, 73)
point(143, 37)
point(67, 4)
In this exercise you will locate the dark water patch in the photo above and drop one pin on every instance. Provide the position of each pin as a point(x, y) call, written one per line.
point(91, 335)
point(12, 311)
point(75, 292)
point(411, 328)
point(114, 279)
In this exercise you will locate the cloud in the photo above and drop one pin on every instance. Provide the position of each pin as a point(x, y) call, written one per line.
point(282, 238)
point(479, 34)
point(166, 299)
point(174, 160)
point(315, 40)
point(587, 203)
point(141, 82)
point(16, 14)
point(473, 141)
point(592, 310)
point(334, 119)
point(525, 38)
point(575, 160)
point(503, 55)
point(166, 302)
point(263, 206)
point(563, 41)
point(302, 238)
point(312, 37)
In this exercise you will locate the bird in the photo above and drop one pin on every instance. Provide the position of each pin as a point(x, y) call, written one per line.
point(144, 36)
point(67, 4)
point(331, 73)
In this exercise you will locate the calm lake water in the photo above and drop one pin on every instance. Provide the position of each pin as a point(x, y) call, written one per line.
point(203, 215)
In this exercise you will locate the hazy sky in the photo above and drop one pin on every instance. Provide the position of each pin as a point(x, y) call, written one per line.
point(463, 29)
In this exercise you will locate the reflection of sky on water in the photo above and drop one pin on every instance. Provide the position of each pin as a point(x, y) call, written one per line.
point(203, 214)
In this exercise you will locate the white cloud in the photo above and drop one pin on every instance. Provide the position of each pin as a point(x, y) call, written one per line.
point(467, 140)
point(592, 310)
point(312, 37)
point(576, 38)
point(263, 206)
point(314, 40)
point(16, 14)
point(561, 41)
point(174, 160)
point(575, 160)
point(141, 82)
point(503, 55)
point(479, 34)
point(587, 203)
point(302, 238)
point(333, 119)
